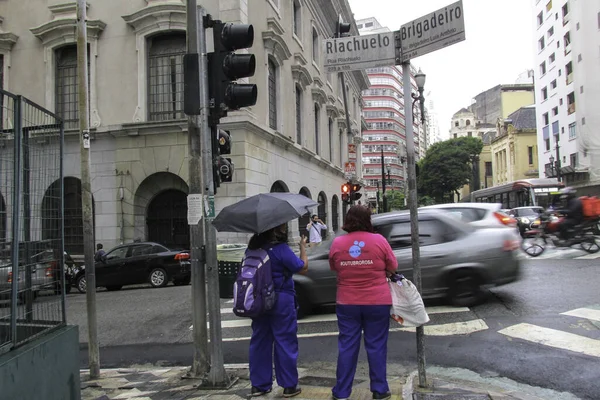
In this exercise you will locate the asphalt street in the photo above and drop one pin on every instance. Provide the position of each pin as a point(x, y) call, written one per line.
point(543, 330)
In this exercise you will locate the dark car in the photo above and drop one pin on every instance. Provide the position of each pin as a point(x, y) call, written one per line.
point(140, 262)
point(525, 216)
point(457, 259)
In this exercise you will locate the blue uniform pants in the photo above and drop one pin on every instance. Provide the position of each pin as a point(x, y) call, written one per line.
point(374, 321)
point(275, 333)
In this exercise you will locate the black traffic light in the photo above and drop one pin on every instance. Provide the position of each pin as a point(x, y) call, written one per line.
point(354, 189)
point(222, 166)
point(346, 192)
point(225, 67)
point(341, 28)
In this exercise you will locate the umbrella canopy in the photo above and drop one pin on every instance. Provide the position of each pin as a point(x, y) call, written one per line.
point(262, 212)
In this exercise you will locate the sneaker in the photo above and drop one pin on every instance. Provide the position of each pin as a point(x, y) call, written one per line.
point(291, 391)
point(381, 396)
point(256, 392)
point(339, 398)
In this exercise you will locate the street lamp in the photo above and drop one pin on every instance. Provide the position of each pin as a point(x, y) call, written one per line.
point(552, 165)
point(388, 167)
point(420, 78)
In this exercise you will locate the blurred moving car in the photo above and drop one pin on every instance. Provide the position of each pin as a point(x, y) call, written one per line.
point(457, 259)
point(139, 262)
point(488, 215)
point(526, 217)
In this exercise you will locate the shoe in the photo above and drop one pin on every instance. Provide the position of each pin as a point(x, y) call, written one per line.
point(256, 392)
point(339, 398)
point(291, 391)
point(381, 396)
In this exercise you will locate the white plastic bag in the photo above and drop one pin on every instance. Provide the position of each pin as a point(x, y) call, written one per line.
point(407, 305)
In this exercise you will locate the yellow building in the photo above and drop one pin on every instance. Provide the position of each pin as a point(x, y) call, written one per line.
point(514, 149)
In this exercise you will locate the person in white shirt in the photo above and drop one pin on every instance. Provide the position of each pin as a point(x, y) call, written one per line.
point(314, 230)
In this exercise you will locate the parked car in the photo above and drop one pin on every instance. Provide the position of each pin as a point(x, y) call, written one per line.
point(44, 273)
point(457, 259)
point(525, 217)
point(136, 263)
point(488, 215)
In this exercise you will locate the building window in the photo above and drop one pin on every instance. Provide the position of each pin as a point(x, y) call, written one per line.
point(581, 89)
point(553, 84)
point(297, 19)
point(330, 131)
point(456, 124)
point(571, 103)
point(555, 111)
point(543, 68)
point(468, 122)
point(298, 114)
point(315, 45)
point(572, 130)
point(549, 6)
point(579, 58)
point(530, 154)
point(545, 94)
point(541, 44)
point(317, 122)
point(165, 77)
point(583, 121)
point(547, 144)
point(272, 94)
point(550, 31)
point(66, 86)
point(552, 58)
point(488, 168)
point(540, 18)
point(573, 159)
point(470, 134)
point(546, 119)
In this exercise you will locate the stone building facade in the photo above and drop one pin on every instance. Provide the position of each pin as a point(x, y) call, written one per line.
point(294, 139)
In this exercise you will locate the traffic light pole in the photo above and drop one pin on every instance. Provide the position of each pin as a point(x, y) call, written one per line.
point(197, 124)
point(412, 205)
point(348, 127)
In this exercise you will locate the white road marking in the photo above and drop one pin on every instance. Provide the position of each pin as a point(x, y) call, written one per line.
point(589, 257)
point(430, 310)
point(587, 313)
point(554, 338)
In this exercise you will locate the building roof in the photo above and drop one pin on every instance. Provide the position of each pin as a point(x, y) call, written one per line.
point(461, 111)
point(523, 118)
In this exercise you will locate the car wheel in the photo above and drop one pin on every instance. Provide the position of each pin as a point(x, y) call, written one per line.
point(303, 303)
point(182, 282)
point(465, 289)
point(81, 284)
point(158, 278)
point(113, 288)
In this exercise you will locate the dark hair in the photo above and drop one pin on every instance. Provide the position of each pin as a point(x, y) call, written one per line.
point(358, 218)
point(273, 235)
point(314, 215)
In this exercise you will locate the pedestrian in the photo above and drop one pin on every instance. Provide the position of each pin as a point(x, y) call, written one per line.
point(276, 332)
point(314, 228)
point(99, 252)
point(362, 260)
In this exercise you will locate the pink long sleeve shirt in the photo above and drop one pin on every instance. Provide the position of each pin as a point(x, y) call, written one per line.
point(360, 260)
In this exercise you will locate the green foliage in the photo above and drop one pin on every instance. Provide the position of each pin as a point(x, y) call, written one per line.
point(447, 167)
point(395, 200)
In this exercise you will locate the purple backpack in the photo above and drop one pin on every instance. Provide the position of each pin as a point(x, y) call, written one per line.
point(254, 290)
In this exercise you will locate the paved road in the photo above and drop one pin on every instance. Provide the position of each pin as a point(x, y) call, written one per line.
point(543, 330)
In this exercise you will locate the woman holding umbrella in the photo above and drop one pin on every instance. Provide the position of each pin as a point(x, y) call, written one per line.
point(276, 331)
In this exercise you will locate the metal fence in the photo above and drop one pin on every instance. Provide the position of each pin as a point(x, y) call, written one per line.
point(32, 259)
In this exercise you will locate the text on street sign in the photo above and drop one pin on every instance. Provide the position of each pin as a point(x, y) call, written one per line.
point(433, 31)
point(359, 52)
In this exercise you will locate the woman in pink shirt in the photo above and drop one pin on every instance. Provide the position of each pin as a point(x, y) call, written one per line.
point(361, 259)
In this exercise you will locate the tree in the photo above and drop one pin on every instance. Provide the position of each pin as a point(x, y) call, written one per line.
point(447, 167)
point(395, 200)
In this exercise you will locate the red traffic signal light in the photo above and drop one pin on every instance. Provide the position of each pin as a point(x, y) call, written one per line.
point(356, 187)
point(345, 189)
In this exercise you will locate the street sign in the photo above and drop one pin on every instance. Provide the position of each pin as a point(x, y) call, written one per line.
point(351, 152)
point(350, 168)
point(359, 52)
point(433, 31)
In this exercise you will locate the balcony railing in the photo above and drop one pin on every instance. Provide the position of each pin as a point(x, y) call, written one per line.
point(571, 108)
point(570, 78)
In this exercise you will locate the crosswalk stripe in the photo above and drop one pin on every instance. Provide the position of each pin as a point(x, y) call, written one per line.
point(587, 313)
point(589, 257)
point(430, 310)
point(554, 338)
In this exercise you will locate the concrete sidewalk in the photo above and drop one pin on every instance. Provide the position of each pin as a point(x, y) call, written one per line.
point(316, 380)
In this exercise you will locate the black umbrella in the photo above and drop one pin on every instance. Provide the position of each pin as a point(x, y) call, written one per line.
point(262, 212)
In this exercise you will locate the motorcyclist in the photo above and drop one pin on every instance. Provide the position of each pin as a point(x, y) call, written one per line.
point(573, 212)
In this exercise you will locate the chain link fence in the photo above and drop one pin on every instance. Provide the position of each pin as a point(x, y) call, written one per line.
point(32, 258)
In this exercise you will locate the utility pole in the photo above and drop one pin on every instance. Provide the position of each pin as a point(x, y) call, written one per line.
point(197, 124)
point(343, 29)
point(385, 207)
point(86, 189)
point(412, 205)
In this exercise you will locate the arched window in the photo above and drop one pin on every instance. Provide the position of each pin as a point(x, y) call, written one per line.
point(66, 99)
point(298, 115)
point(165, 76)
point(272, 94)
point(468, 122)
point(317, 122)
point(297, 22)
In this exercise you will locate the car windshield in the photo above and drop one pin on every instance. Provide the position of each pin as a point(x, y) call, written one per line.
point(528, 211)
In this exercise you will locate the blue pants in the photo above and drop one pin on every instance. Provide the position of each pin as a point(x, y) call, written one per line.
point(374, 321)
point(278, 328)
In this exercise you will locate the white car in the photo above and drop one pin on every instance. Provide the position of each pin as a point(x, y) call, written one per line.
point(481, 215)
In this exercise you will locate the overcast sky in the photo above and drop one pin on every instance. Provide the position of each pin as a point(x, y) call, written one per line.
point(498, 47)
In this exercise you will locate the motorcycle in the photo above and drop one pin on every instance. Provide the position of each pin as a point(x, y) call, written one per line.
point(546, 231)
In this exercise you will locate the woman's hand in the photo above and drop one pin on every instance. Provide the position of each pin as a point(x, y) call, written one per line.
point(302, 241)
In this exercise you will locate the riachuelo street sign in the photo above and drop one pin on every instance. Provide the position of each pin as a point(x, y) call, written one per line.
point(423, 35)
